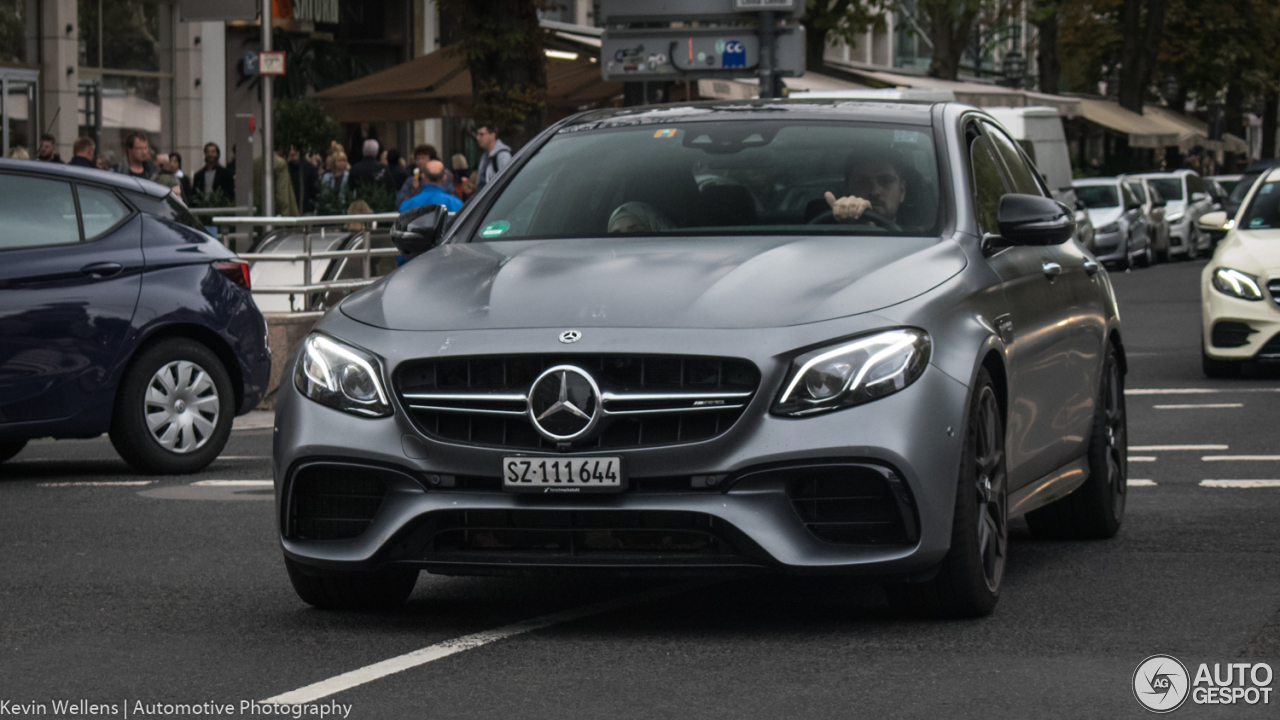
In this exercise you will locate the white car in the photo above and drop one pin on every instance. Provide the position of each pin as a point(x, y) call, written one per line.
point(1187, 199)
point(1120, 235)
point(1240, 287)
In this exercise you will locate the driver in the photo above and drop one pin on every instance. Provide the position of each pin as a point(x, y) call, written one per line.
point(872, 182)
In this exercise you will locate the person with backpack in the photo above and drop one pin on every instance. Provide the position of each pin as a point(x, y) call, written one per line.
point(496, 158)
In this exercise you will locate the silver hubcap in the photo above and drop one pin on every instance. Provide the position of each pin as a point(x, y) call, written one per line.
point(181, 406)
point(993, 511)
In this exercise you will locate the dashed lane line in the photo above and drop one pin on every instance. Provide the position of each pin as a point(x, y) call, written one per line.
point(1140, 483)
point(1155, 448)
point(1196, 391)
point(1142, 458)
point(440, 650)
point(1240, 483)
point(1199, 406)
point(100, 483)
point(1232, 458)
point(233, 483)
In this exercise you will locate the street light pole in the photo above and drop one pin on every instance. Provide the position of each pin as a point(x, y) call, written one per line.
point(268, 151)
point(767, 57)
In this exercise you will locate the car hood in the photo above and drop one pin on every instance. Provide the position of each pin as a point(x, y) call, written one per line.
point(1103, 216)
point(721, 282)
point(1253, 251)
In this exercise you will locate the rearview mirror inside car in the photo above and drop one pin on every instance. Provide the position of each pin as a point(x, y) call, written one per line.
point(1034, 220)
point(417, 230)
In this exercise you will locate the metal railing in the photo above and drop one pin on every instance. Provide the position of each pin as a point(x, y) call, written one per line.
point(311, 289)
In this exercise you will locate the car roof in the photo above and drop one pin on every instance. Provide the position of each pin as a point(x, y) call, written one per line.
point(1082, 182)
point(36, 168)
point(892, 111)
point(1167, 174)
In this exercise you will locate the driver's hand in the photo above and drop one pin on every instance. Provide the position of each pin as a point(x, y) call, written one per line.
point(847, 209)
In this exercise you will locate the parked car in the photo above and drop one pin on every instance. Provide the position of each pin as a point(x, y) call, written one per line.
point(1240, 287)
point(639, 369)
point(119, 314)
point(1121, 234)
point(1153, 208)
point(1187, 200)
point(1228, 183)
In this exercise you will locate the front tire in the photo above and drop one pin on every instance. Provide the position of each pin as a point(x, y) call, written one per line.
point(1095, 510)
point(174, 410)
point(967, 583)
point(11, 448)
point(327, 590)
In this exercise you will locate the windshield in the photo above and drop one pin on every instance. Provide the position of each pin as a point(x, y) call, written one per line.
point(1138, 189)
point(1242, 187)
point(1098, 196)
point(1264, 209)
point(1170, 188)
point(1228, 186)
point(723, 178)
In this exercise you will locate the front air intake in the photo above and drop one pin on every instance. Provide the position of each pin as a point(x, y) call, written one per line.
point(334, 501)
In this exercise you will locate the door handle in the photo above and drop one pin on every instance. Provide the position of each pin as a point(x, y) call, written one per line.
point(101, 269)
point(1051, 269)
point(1091, 267)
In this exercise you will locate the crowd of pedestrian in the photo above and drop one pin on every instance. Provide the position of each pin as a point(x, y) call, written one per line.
point(299, 181)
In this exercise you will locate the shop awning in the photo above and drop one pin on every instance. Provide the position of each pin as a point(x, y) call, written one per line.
point(1143, 131)
point(439, 84)
point(1193, 131)
point(974, 93)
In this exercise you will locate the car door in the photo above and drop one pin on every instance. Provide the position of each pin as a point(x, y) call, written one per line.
point(1135, 218)
point(1036, 358)
point(70, 273)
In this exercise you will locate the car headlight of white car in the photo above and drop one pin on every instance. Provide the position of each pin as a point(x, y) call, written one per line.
point(340, 376)
point(853, 372)
point(1235, 283)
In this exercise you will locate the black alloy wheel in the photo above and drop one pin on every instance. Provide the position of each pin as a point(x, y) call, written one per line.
point(1095, 510)
point(967, 583)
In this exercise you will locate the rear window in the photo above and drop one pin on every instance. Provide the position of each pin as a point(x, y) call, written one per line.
point(1098, 196)
point(721, 178)
point(166, 208)
point(1170, 188)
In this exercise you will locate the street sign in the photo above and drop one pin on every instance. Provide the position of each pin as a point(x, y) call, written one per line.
point(271, 63)
point(250, 62)
point(689, 54)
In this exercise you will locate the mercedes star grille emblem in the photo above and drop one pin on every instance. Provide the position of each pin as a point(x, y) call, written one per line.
point(564, 403)
point(570, 336)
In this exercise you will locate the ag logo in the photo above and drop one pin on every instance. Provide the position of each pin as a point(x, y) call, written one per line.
point(1161, 683)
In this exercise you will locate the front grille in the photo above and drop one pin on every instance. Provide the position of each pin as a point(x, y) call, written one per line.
point(569, 537)
point(1273, 286)
point(636, 485)
point(853, 504)
point(1230, 334)
point(646, 400)
point(334, 501)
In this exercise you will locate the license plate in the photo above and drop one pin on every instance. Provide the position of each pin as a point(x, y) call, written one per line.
point(562, 475)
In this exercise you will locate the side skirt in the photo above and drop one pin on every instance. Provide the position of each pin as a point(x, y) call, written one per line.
point(1054, 486)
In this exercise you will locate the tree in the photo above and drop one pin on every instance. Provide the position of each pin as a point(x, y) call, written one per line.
point(1141, 22)
point(1088, 42)
point(502, 44)
point(1044, 14)
point(949, 24)
point(827, 20)
point(302, 123)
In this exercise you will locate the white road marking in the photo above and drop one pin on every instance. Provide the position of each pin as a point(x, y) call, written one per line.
point(1197, 391)
point(1240, 483)
point(1153, 448)
point(1202, 405)
point(1142, 458)
point(1140, 483)
point(244, 457)
point(234, 483)
point(367, 674)
point(1218, 458)
point(103, 483)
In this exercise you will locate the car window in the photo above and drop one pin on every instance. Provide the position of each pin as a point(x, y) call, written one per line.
point(1129, 199)
point(720, 178)
point(988, 184)
point(100, 210)
point(1021, 177)
point(1170, 187)
point(37, 212)
point(1098, 196)
point(1138, 191)
point(166, 208)
point(1194, 183)
point(1263, 212)
point(1243, 186)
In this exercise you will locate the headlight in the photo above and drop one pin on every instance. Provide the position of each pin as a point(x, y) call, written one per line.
point(1237, 284)
point(853, 373)
point(1110, 227)
point(338, 375)
point(1175, 218)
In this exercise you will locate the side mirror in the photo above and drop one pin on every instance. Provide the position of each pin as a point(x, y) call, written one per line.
point(1213, 222)
point(417, 230)
point(1034, 220)
point(1198, 196)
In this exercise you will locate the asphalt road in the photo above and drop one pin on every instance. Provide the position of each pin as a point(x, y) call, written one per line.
point(169, 592)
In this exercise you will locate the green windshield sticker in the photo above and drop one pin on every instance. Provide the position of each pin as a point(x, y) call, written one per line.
point(494, 229)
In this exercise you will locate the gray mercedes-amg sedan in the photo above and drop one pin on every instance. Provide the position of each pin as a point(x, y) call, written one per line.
point(792, 336)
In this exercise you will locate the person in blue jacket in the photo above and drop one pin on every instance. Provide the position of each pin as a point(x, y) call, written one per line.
point(433, 192)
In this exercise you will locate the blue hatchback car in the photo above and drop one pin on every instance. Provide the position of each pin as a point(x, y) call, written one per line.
point(119, 314)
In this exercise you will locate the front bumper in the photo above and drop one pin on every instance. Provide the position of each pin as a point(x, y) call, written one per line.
point(1256, 324)
point(914, 435)
point(1111, 247)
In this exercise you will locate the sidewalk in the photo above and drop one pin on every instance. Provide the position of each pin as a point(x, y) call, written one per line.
point(255, 420)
